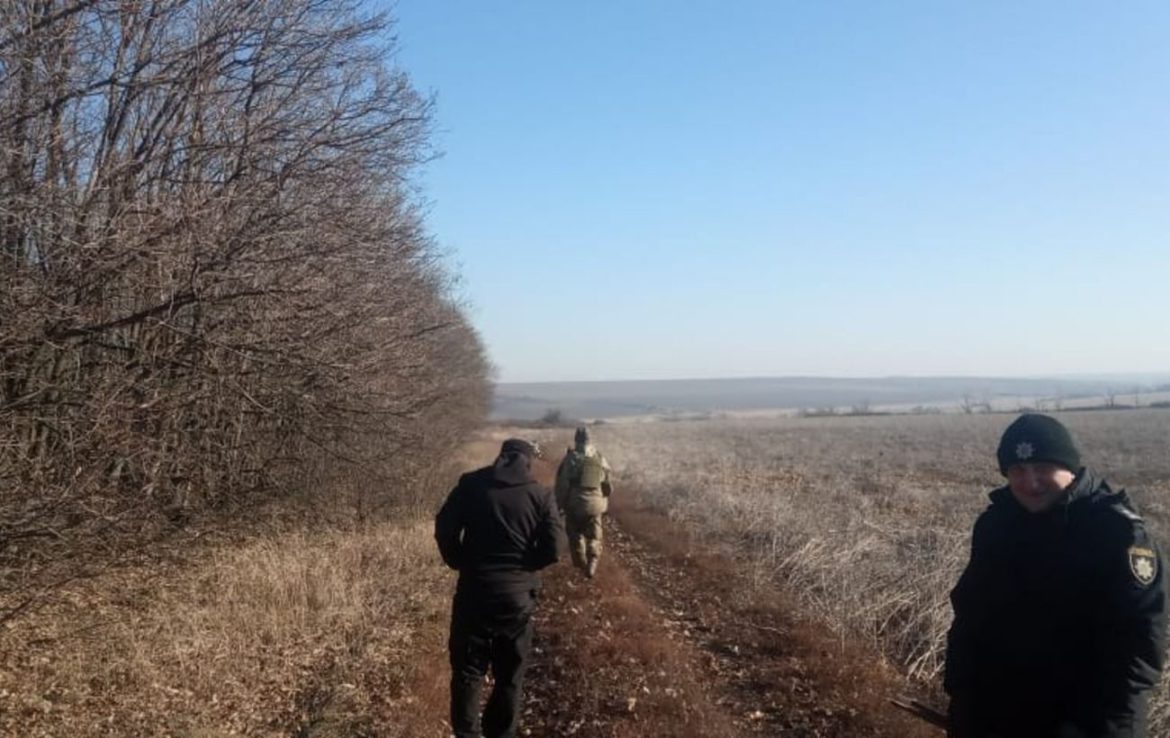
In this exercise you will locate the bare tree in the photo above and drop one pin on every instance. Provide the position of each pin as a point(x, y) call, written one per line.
point(213, 270)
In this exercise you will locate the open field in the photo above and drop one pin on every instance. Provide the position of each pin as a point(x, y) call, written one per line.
point(867, 519)
point(756, 573)
point(340, 632)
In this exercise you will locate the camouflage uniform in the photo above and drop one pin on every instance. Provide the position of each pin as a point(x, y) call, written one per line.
point(583, 506)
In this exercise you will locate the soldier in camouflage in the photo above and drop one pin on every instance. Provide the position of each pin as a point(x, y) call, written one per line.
point(583, 489)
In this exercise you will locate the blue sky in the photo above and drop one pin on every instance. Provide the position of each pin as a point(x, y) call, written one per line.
point(644, 190)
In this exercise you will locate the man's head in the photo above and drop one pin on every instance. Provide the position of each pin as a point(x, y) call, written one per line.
point(514, 463)
point(530, 449)
point(581, 438)
point(1039, 459)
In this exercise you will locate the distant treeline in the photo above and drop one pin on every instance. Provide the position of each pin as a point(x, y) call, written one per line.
point(815, 395)
point(214, 281)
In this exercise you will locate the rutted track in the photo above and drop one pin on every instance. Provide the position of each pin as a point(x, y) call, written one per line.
point(667, 641)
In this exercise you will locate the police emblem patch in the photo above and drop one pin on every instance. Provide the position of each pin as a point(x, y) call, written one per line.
point(1144, 565)
point(1024, 451)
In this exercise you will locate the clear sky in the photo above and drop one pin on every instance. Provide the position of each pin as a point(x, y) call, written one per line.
point(645, 190)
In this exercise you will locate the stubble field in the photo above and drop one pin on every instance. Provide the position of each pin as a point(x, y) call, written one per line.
point(867, 519)
point(283, 629)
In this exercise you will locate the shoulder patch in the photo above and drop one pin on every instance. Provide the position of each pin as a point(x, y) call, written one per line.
point(1143, 564)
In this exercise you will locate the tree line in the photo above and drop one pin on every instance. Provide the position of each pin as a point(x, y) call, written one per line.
point(215, 283)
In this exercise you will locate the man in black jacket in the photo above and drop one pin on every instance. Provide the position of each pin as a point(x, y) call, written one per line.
point(498, 528)
point(1060, 615)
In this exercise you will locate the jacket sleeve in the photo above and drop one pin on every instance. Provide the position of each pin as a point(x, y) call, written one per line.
point(449, 528)
point(1137, 610)
point(607, 479)
point(962, 652)
point(548, 528)
point(562, 484)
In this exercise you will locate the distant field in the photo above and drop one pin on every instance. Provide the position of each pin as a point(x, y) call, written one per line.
point(671, 398)
point(867, 518)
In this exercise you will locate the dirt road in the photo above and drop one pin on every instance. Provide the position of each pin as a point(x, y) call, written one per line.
point(666, 641)
point(671, 640)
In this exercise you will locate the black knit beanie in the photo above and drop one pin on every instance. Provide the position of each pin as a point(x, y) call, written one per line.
point(1035, 437)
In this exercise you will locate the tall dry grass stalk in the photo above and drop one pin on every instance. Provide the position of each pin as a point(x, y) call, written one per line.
point(866, 519)
point(268, 637)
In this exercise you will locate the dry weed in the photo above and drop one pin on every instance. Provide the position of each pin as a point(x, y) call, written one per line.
point(866, 519)
point(270, 637)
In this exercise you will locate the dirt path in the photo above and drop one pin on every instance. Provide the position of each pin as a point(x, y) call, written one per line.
point(667, 641)
point(670, 641)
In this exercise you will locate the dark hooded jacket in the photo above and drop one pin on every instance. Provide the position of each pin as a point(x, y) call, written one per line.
point(1059, 628)
point(498, 528)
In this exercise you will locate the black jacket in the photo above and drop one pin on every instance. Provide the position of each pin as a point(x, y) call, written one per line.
point(1060, 619)
point(498, 528)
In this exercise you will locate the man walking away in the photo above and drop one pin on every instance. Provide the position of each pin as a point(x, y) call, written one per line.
point(583, 491)
point(498, 529)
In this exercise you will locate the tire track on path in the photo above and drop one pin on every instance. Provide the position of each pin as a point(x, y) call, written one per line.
point(669, 640)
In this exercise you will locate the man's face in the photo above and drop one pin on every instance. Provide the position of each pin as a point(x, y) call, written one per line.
point(1037, 486)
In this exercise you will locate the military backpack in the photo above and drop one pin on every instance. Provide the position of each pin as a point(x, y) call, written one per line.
point(586, 472)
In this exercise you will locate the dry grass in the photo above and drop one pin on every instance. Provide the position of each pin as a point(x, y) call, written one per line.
point(867, 520)
point(290, 634)
point(339, 632)
point(295, 621)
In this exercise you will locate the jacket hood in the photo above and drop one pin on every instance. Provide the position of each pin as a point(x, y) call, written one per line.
point(513, 469)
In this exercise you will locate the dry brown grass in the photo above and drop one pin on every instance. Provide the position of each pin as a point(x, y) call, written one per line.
point(340, 632)
point(298, 621)
point(866, 520)
point(291, 634)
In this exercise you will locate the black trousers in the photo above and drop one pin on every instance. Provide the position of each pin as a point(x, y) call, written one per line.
point(498, 638)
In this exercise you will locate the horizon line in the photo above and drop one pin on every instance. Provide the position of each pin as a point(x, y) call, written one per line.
point(1069, 376)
